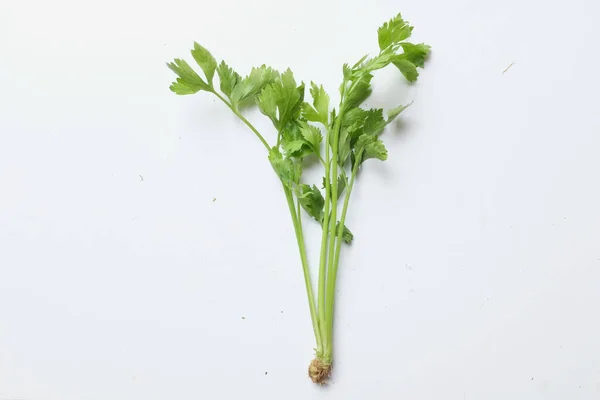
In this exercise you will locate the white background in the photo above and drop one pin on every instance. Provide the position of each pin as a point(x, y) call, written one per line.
point(475, 271)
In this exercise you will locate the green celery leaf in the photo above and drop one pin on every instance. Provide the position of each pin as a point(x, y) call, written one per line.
point(267, 102)
point(312, 136)
point(182, 88)
point(282, 100)
point(376, 150)
point(348, 72)
point(187, 74)
point(347, 236)
point(311, 200)
point(252, 84)
point(295, 171)
point(394, 112)
point(293, 148)
point(290, 98)
point(359, 62)
point(369, 146)
point(374, 122)
point(416, 53)
point(393, 32)
point(320, 102)
point(354, 117)
point(206, 61)
point(379, 62)
point(352, 127)
point(408, 69)
point(309, 113)
point(360, 92)
point(288, 170)
point(228, 77)
point(332, 116)
point(344, 146)
point(291, 132)
point(342, 183)
point(275, 157)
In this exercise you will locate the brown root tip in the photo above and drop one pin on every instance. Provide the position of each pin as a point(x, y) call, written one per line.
point(319, 371)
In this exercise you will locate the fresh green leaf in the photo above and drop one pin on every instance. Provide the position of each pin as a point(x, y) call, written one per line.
point(347, 71)
point(354, 117)
point(282, 100)
point(267, 102)
point(206, 61)
point(310, 114)
point(347, 236)
point(311, 200)
point(379, 62)
point(312, 136)
point(394, 112)
point(360, 91)
point(352, 127)
point(408, 69)
point(288, 170)
point(291, 132)
point(275, 157)
point(293, 148)
point(416, 53)
point(252, 84)
point(393, 32)
point(374, 122)
point(313, 203)
point(359, 62)
point(182, 88)
point(342, 183)
point(369, 146)
point(376, 150)
point(228, 77)
point(332, 116)
point(320, 111)
point(359, 149)
point(188, 76)
point(295, 171)
point(344, 148)
point(347, 130)
point(358, 121)
point(290, 98)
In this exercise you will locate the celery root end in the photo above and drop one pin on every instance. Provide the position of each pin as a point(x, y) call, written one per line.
point(319, 371)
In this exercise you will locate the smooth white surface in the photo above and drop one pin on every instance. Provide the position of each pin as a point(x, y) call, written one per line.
point(475, 272)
